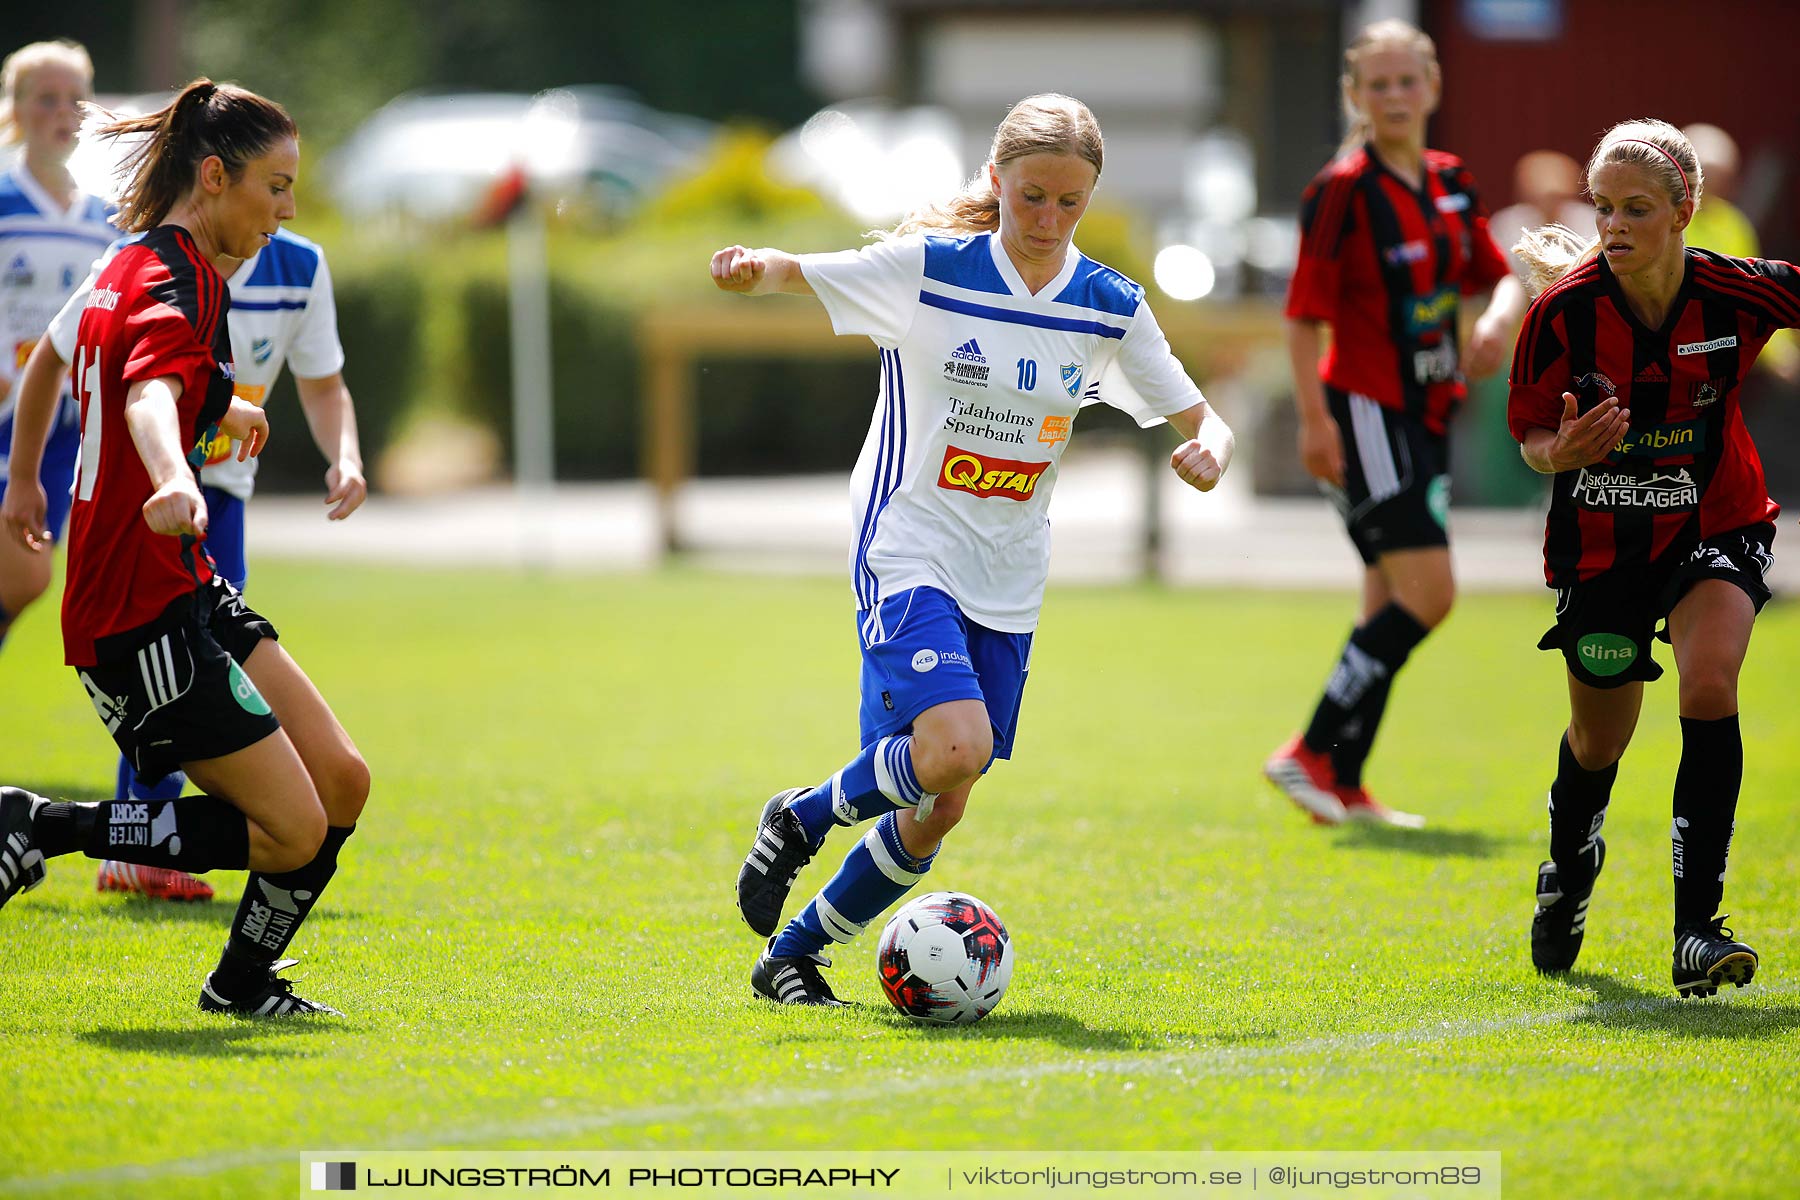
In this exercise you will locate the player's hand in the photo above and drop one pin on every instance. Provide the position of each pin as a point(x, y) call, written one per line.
point(1584, 439)
point(176, 507)
point(1196, 465)
point(1322, 451)
point(346, 488)
point(1487, 347)
point(22, 515)
point(736, 269)
point(247, 425)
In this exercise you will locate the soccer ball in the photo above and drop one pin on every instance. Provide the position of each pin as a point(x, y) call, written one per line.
point(945, 958)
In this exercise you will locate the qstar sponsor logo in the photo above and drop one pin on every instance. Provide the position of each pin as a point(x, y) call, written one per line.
point(1612, 491)
point(1686, 437)
point(967, 365)
point(985, 421)
point(984, 475)
point(1430, 312)
point(1724, 343)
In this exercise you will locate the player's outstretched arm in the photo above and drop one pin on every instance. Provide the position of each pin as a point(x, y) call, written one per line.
point(1490, 342)
point(175, 506)
point(758, 272)
point(247, 425)
point(331, 415)
point(35, 392)
point(1201, 459)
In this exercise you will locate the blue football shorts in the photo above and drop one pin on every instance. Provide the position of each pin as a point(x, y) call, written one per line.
point(919, 650)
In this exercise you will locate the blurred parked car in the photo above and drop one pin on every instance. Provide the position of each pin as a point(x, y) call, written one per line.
point(435, 156)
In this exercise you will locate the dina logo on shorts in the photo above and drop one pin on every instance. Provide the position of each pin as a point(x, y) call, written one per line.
point(1606, 654)
point(924, 661)
point(245, 693)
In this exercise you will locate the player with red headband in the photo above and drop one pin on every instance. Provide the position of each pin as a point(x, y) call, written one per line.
point(1625, 387)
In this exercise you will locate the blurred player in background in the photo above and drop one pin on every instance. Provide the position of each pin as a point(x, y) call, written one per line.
point(282, 311)
point(182, 672)
point(1625, 386)
point(993, 330)
point(1392, 234)
point(50, 234)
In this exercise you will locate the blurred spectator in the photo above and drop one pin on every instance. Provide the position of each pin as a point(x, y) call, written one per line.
point(1546, 191)
point(1720, 225)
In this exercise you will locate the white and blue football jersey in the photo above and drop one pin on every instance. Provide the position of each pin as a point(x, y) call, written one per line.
point(980, 384)
point(46, 250)
point(282, 312)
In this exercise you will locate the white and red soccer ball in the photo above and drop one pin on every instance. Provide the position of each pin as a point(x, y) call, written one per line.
point(945, 958)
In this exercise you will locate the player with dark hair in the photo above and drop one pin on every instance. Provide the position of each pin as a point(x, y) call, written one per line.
point(1625, 387)
point(181, 671)
point(1392, 235)
point(282, 313)
point(993, 330)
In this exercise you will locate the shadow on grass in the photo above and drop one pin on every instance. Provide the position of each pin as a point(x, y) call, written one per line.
point(1430, 841)
point(1043, 1027)
point(142, 910)
point(233, 1037)
point(1629, 1006)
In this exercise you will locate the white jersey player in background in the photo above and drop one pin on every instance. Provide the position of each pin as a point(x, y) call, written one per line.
point(282, 312)
point(50, 234)
point(993, 330)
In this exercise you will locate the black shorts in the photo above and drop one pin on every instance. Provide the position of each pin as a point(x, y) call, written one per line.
point(1604, 626)
point(172, 691)
point(1396, 493)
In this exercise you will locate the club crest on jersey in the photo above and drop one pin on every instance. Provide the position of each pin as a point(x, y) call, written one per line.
point(1071, 377)
point(1596, 379)
point(261, 348)
point(1708, 391)
point(984, 475)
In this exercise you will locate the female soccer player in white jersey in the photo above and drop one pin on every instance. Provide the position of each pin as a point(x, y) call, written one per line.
point(282, 311)
point(993, 330)
point(50, 234)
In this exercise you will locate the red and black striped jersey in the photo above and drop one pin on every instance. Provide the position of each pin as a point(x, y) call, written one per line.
point(1687, 468)
point(157, 310)
point(1386, 265)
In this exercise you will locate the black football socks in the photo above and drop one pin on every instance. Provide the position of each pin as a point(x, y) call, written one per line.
point(1706, 795)
point(198, 833)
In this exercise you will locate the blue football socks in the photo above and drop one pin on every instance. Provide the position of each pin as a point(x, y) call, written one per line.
point(878, 780)
point(877, 871)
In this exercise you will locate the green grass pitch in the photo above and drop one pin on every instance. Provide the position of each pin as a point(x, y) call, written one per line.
point(535, 939)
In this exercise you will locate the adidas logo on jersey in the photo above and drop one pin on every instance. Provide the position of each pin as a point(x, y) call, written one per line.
point(968, 352)
point(1651, 374)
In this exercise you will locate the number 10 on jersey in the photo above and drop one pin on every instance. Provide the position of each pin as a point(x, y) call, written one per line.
point(1027, 374)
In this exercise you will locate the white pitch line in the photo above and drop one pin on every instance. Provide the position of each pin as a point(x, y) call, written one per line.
point(1212, 1061)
